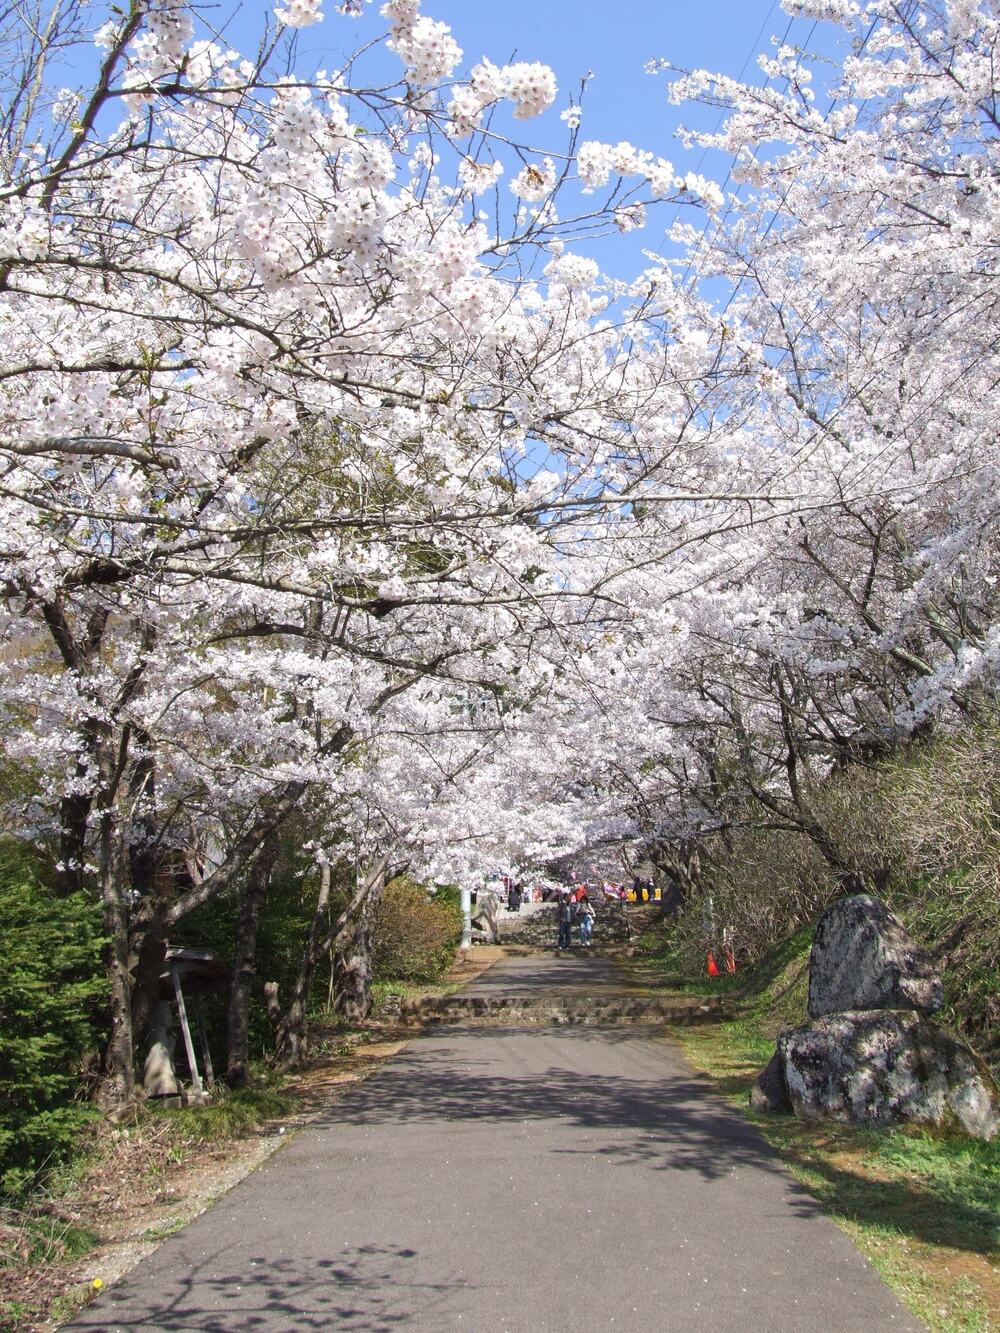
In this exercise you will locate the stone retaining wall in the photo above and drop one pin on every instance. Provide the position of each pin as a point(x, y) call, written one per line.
point(561, 1009)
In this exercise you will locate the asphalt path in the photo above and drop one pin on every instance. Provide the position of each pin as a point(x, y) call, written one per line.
point(510, 1180)
point(573, 972)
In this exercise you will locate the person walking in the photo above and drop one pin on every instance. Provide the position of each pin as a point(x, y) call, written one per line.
point(585, 914)
point(564, 915)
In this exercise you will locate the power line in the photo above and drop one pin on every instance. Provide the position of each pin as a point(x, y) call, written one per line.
point(721, 222)
point(781, 202)
point(754, 48)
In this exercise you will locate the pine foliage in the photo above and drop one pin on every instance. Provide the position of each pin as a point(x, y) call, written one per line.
point(50, 994)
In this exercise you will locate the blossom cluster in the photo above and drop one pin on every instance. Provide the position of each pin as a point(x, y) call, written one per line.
point(597, 162)
point(425, 46)
point(317, 491)
point(299, 13)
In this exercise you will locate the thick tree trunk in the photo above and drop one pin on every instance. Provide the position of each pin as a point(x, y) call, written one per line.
point(245, 961)
point(352, 964)
point(291, 1040)
point(117, 1084)
point(681, 862)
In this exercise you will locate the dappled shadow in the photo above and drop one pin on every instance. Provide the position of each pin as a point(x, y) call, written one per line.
point(363, 1288)
point(911, 1207)
point(671, 1122)
point(674, 1122)
point(602, 1118)
point(551, 975)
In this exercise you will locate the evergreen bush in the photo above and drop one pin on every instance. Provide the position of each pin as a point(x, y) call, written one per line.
point(51, 987)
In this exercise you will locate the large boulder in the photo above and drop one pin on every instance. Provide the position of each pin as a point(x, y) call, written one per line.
point(878, 1067)
point(770, 1092)
point(863, 958)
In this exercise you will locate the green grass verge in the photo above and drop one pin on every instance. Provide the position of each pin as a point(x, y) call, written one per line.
point(924, 1208)
point(230, 1115)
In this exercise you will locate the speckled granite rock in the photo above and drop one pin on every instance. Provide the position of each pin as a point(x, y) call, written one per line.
point(863, 958)
point(770, 1092)
point(877, 1067)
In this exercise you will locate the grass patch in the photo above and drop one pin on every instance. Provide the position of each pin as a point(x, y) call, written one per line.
point(230, 1115)
point(924, 1208)
point(41, 1245)
point(167, 1229)
point(40, 1240)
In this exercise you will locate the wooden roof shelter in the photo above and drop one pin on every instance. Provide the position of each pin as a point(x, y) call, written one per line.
point(196, 971)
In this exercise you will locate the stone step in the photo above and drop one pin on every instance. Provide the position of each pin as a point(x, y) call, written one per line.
point(542, 928)
point(595, 1011)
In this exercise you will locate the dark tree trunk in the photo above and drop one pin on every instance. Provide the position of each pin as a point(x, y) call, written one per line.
point(117, 1083)
point(352, 964)
point(672, 899)
point(353, 924)
point(291, 1045)
point(681, 863)
point(74, 812)
point(149, 964)
point(245, 961)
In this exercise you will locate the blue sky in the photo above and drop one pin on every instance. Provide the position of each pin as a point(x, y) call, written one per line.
point(610, 41)
point(613, 42)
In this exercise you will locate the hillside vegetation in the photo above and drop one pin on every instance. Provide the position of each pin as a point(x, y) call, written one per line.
point(922, 831)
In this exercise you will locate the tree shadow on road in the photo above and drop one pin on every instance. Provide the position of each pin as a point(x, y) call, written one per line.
point(364, 1288)
point(672, 1121)
point(668, 1122)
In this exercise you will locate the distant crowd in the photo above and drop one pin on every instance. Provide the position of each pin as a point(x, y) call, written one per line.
point(575, 910)
point(517, 892)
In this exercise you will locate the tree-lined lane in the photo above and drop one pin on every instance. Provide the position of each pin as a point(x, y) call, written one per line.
point(503, 1179)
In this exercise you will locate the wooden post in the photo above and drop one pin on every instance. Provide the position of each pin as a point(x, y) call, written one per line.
point(465, 898)
point(206, 1054)
point(186, 1030)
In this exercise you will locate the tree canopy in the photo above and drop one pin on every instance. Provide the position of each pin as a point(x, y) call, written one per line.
point(339, 482)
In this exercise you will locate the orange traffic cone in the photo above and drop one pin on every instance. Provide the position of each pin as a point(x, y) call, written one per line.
point(711, 966)
point(727, 954)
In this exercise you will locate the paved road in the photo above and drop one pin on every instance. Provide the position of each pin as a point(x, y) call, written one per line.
point(537, 975)
point(514, 1181)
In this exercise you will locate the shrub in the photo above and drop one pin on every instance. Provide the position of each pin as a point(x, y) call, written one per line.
point(51, 983)
point(415, 936)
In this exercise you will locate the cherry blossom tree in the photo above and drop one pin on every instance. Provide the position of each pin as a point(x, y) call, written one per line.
point(289, 427)
point(857, 610)
point(339, 484)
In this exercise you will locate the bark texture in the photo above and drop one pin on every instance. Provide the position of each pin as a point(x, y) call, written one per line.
point(879, 1067)
point(245, 962)
point(352, 965)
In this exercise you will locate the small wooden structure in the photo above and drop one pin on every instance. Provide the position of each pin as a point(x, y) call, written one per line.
point(193, 971)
